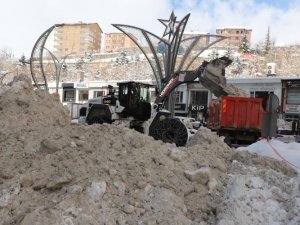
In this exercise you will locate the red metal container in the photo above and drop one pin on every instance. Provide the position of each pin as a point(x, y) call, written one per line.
point(231, 112)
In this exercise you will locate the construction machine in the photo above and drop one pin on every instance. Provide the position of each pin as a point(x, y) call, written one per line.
point(132, 104)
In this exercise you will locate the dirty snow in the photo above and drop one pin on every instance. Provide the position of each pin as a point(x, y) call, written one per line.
point(289, 152)
point(55, 172)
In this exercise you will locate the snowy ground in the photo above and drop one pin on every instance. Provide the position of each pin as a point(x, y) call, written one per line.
point(54, 172)
point(257, 192)
point(289, 152)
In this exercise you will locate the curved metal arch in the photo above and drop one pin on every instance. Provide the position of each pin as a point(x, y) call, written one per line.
point(188, 51)
point(176, 42)
point(146, 35)
point(221, 38)
point(194, 43)
point(169, 54)
point(58, 67)
point(39, 47)
point(156, 60)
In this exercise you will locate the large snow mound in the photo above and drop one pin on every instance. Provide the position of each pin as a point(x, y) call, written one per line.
point(55, 172)
point(20, 104)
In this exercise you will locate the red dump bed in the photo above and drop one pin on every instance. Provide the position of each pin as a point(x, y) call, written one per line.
point(235, 113)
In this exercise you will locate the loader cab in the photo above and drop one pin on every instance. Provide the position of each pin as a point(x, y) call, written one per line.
point(135, 97)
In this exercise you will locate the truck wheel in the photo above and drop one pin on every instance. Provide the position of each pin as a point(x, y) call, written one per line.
point(170, 130)
point(227, 140)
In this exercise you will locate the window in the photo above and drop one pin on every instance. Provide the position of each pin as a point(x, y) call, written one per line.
point(125, 90)
point(199, 97)
point(98, 94)
point(260, 94)
point(144, 93)
point(69, 95)
point(237, 31)
point(83, 95)
point(178, 96)
point(152, 95)
point(293, 96)
point(200, 100)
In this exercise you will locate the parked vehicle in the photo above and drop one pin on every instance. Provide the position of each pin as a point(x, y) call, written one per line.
point(189, 122)
point(238, 119)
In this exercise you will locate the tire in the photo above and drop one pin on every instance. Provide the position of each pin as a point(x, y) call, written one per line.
point(170, 130)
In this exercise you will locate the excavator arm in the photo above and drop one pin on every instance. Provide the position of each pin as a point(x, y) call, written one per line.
point(210, 74)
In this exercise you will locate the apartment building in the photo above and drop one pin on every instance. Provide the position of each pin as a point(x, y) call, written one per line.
point(116, 41)
point(235, 36)
point(78, 38)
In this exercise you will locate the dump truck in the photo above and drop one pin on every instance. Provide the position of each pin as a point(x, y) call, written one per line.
point(238, 119)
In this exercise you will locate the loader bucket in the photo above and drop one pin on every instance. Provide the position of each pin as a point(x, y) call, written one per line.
point(213, 76)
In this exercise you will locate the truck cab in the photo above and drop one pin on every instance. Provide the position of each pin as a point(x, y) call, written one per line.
point(135, 97)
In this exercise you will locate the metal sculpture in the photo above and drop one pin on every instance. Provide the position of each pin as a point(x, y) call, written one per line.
point(162, 53)
point(36, 60)
point(58, 67)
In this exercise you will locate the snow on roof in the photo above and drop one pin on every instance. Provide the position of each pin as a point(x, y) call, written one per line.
point(228, 28)
point(195, 32)
point(220, 52)
point(240, 80)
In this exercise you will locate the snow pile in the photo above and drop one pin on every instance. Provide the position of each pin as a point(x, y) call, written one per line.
point(205, 136)
point(20, 104)
point(55, 172)
point(289, 152)
point(235, 90)
point(266, 185)
point(259, 196)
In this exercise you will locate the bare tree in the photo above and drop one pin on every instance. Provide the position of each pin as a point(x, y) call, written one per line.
point(8, 65)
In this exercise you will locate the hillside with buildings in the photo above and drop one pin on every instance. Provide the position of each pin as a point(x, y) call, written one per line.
point(92, 55)
point(87, 64)
point(285, 62)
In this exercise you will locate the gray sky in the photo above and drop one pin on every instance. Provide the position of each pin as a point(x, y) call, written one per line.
point(22, 22)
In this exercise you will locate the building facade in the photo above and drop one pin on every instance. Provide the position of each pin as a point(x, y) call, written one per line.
point(235, 36)
point(196, 98)
point(113, 42)
point(192, 99)
point(291, 98)
point(77, 38)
